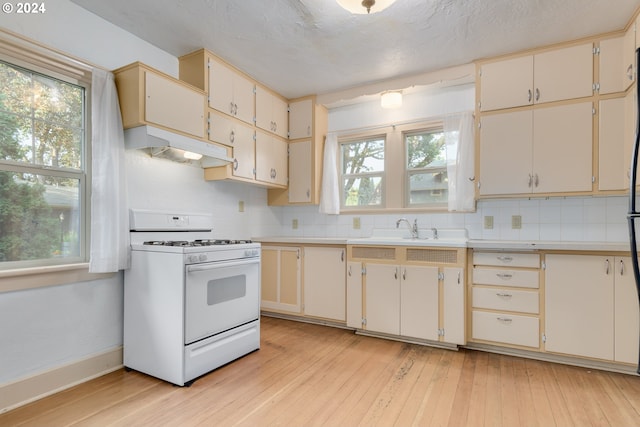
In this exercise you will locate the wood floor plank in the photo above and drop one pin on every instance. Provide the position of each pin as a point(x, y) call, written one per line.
point(312, 375)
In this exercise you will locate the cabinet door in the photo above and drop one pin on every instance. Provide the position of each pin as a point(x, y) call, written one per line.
point(453, 305)
point(221, 87)
point(579, 305)
point(629, 66)
point(563, 148)
point(300, 170)
point(280, 117)
point(506, 84)
point(354, 294)
point(224, 130)
point(506, 154)
point(613, 163)
point(244, 98)
point(300, 119)
point(419, 302)
point(174, 106)
point(244, 154)
point(626, 318)
point(271, 159)
point(630, 118)
point(271, 113)
point(611, 66)
point(563, 74)
point(325, 283)
point(382, 297)
point(280, 280)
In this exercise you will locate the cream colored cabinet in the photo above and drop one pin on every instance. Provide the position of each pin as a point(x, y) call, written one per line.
point(382, 298)
point(271, 159)
point(354, 295)
point(224, 130)
point(271, 112)
point(553, 75)
point(545, 150)
point(629, 68)
point(419, 302)
point(301, 119)
point(244, 157)
point(230, 92)
point(325, 282)
point(453, 305)
point(300, 178)
point(611, 66)
point(281, 279)
point(148, 96)
point(592, 307)
point(505, 299)
point(305, 154)
point(613, 151)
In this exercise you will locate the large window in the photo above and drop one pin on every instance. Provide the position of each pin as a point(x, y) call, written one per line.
point(42, 167)
point(362, 173)
point(426, 168)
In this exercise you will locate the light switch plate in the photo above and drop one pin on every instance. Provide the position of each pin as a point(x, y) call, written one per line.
point(356, 223)
point(516, 222)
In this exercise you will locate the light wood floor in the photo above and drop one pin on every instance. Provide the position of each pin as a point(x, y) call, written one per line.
point(306, 375)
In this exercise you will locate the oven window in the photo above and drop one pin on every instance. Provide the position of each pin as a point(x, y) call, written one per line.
point(226, 289)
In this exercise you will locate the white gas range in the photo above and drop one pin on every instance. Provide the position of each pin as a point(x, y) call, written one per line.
point(192, 302)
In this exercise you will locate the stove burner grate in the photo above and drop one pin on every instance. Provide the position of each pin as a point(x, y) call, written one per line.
point(199, 242)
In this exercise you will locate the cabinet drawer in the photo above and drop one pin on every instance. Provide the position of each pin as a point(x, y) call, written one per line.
point(507, 259)
point(506, 328)
point(509, 300)
point(506, 277)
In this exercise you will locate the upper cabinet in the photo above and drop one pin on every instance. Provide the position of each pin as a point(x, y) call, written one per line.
point(271, 112)
point(613, 76)
point(148, 96)
point(301, 118)
point(548, 76)
point(230, 92)
point(629, 68)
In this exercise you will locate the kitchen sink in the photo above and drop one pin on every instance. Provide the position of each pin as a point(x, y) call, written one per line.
point(453, 237)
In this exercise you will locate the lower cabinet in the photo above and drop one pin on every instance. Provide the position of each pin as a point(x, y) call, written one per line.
point(419, 298)
point(591, 307)
point(324, 282)
point(281, 279)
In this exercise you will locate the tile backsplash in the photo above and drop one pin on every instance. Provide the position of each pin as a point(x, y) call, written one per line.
point(556, 219)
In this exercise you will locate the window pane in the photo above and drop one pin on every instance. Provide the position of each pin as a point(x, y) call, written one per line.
point(39, 217)
point(363, 156)
point(428, 187)
point(42, 119)
point(363, 191)
point(425, 149)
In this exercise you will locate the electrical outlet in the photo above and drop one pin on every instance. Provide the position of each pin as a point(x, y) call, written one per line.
point(488, 222)
point(241, 206)
point(356, 223)
point(294, 224)
point(516, 222)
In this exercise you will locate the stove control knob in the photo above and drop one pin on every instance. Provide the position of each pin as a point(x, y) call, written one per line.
point(202, 257)
point(192, 258)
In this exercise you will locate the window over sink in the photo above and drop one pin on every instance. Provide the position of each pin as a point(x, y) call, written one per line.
point(44, 154)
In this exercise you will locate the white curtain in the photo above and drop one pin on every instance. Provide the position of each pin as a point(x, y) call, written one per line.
point(459, 139)
point(109, 214)
point(330, 191)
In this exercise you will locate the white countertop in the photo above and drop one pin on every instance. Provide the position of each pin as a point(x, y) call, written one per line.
point(473, 243)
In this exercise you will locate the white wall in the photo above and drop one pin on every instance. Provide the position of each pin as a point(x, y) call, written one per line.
point(58, 325)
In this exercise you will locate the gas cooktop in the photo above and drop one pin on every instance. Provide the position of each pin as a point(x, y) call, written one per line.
point(196, 243)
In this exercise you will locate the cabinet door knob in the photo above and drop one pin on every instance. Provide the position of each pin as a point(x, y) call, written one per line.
point(529, 97)
point(537, 94)
point(621, 267)
point(235, 164)
point(606, 266)
point(232, 137)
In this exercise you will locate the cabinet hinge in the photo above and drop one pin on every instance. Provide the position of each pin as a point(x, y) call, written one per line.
point(364, 271)
point(596, 87)
point(208, 63)
point(593, 111)
point(441, 332)
point(479, 105)
point(440, 275)
point(596, 51)
point(544, 265)
point(544, 337)
point(479, 124)
point(364, 322)
point(480, 72)
point(254, 89)
point(593, 178)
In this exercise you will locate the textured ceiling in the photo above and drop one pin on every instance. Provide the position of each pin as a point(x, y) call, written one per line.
point(300, 47)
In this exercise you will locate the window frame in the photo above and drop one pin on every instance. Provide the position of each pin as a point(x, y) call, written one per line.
point(52, 64)
point(436, 127)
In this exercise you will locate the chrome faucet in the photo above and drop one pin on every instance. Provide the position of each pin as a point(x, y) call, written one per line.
point(413, 228)
point(435, 232)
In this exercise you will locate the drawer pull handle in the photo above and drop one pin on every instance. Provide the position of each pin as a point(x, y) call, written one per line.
point(504, 320)
point(504, 276)
point(504, 258)
point(504, 294)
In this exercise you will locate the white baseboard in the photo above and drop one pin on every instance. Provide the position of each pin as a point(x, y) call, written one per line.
point(26, 390)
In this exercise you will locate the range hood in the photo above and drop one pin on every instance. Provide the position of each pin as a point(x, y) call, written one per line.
point(163, 144)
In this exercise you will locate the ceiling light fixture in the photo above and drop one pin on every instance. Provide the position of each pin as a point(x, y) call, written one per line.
point(391, 99)
point(362, 7)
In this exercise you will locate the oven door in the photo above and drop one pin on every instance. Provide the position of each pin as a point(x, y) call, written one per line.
point(220, 296)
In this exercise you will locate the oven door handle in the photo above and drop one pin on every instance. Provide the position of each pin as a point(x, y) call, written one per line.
point(213, 265)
